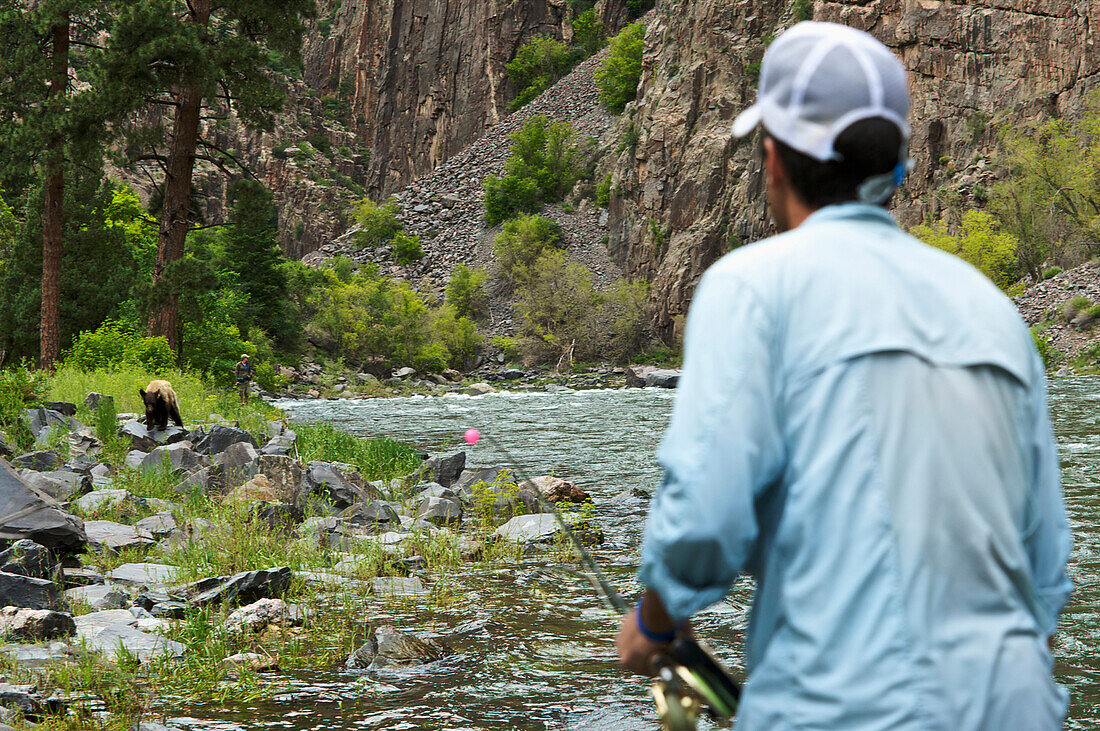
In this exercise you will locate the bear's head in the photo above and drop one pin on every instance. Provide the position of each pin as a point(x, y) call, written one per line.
point(151, 401)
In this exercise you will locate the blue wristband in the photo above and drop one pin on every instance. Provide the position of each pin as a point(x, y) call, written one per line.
point(648, 633)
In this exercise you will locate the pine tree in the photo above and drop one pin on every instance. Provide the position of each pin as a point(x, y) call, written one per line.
point(199, 59)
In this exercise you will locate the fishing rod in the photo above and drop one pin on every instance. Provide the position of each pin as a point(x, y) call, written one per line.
point(689, 675)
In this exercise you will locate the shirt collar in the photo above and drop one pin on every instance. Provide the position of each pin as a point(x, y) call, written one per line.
point(850, 211)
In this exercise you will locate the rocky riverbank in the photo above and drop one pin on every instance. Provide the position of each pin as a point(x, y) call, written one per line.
point(209, 554)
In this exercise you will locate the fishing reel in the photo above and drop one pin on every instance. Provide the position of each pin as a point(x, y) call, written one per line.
point(677, 706)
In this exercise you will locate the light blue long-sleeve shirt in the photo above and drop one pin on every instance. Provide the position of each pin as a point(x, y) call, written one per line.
point(861, 425)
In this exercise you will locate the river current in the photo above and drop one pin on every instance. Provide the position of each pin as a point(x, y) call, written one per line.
point(534, 642)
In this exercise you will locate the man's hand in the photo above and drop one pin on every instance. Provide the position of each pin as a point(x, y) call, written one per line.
point(636, 651)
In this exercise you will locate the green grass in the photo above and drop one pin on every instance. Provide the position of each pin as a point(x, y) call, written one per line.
point(375, 459)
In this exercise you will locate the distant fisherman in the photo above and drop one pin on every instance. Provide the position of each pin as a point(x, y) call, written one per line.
point(244, 377)
point(862, 426)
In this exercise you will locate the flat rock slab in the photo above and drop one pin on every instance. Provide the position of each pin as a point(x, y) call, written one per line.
point(40, 461)
point(145, 574)
point(243, 588)
point(39, 517)
point(218, 439)
point(98, 501)
point(41, 655)
point(58, 484)
point(144, 439)
point(17, 590)
point(99, 596)
point(35, 624)
point(119, 640)
point(398, 586)
point(330, 580)
point(528, 529)
point(158, 525)
point(116, 536)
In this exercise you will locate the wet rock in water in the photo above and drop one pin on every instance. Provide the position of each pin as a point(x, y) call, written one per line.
point(218, 439)
point(512, 374)
point(398, 586)
point(440, 511)
point(108, 535)
point(237, 462)
point(120, 502)
point(528, 529)
point(280, 444)
point(662, 378)
point(35, 624)
point(17, 590)
point(391, 648)
point(59, 484)
point(258, 488)
point(177, 457)
point(114, 633)
point(33, 514)
point(27, 558)
point(242, 588)
point(252, 660)
point(94, 399)
point(145, 439)
point(553, 490)
point(445, 470)
point(42, 460)
point(159, 525)
point(258, 615)
point(478, 389)
point(144, 574)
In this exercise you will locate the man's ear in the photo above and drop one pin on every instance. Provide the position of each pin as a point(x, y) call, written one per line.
point(772, 164)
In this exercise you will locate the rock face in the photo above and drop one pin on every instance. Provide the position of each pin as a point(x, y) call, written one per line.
point(425, 78)
point(687, 192)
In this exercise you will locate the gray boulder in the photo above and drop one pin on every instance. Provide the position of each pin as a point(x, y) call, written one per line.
point(43, 420)
point(115, 632)
point(141, 437)
point(635, 375)
point(27, 558)
point(176, 457)
point(207, 480)
point(59, 484)
point(373, 513)
point(439, 511)
point(93, 400)
point(62, 407)
point(236, 463)
point(158, 525)
point(280, 444)
point(35, 625)
point(444, 470)
point(40, 461)
point(17, 590)
point(99, 596)
point(25, 699)
point(31, 513)
point(108, 535)
point(662, 378)
point(218, 439)
point(243, 588)
point(121, 502)
point(528, 529)
point(256, 616)
point(284, 473)
point(144, 574)
point(338, 484)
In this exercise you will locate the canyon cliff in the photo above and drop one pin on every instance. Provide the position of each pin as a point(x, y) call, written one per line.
point(686, 192)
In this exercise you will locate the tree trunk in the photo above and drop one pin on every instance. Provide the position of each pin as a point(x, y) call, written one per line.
point(53, 215)
point(175, 216)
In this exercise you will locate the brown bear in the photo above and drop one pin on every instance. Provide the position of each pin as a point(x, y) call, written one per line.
point(160, 403)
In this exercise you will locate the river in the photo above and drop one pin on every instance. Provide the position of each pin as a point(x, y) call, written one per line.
point(535, 644)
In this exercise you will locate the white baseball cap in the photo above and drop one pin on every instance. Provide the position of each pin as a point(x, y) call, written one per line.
point(818, 79)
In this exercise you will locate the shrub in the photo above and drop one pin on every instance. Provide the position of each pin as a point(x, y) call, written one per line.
point(588, 33)
point(1093, 312)
point(617, 79)
point(377, 222)
point(980, 242)
point(466, 292)
point(320, 142)
point(457, 334)
point(20, 388)
point(1051, 356)
point(603, 192)
point(536, 66)
point(113, 344)
point(803, 10)
point(557, 306)
point(639, 7)
point(1074, 306)
point(506, 345)
point(406, 248)
point(521, 243)
point(544, 165)
point(625, 310)
point(1052, 272)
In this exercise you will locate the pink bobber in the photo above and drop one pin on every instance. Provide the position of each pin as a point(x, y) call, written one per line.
point(472, 435)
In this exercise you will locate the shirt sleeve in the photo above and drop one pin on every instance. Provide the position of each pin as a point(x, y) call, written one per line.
point(722, 449)
point(1047, 538)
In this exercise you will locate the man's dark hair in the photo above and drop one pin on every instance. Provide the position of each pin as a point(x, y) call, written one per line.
point(868, 147)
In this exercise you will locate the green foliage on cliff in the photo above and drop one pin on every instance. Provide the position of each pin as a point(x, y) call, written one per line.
point(979, 241)
point(637, 8)
point(521, 243)
point(466, 292)
point(617, 79)
point(803, 10)
point(588, 33)
point(536, 66)
point(377, 222)
point(545, 165)
point(406, 248)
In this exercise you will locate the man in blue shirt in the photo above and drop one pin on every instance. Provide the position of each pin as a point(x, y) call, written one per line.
point(861, 425)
